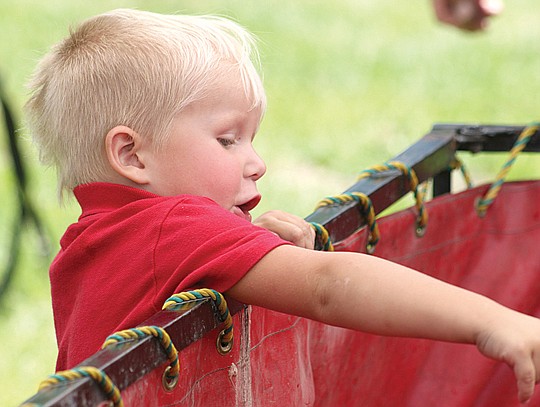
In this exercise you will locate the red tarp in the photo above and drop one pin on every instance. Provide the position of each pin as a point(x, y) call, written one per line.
point(288, 361)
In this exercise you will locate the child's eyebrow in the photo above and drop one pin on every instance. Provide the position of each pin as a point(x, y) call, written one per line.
point(233, 120)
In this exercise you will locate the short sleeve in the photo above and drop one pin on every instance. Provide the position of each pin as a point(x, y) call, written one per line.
point(203, 245)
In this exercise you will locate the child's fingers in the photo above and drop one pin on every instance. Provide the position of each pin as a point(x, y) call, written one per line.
point(289, 227)
point(514, 338)
point(526, 377)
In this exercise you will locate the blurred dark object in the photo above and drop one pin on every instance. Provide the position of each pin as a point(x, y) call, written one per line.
point(26, 215)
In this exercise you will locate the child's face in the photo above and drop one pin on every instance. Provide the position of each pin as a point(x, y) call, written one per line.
point(210, 152)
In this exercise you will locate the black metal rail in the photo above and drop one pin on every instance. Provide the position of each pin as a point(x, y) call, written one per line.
point(137, 357)
point(430, 157)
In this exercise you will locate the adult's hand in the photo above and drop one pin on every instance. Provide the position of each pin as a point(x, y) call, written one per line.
point(470, 15)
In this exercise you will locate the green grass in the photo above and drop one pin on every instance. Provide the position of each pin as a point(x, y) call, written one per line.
point(350, 84)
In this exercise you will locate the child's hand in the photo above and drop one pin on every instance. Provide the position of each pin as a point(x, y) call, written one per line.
point(289, 227)
point(515, 340)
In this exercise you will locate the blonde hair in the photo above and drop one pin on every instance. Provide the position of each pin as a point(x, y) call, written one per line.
point(132, 68)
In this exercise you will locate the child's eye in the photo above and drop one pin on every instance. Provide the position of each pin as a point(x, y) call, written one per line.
point(226, 142)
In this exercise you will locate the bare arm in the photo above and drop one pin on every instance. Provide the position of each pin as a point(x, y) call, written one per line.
point(366, 293)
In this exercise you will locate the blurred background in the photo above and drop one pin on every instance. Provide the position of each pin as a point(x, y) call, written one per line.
point(350, 84)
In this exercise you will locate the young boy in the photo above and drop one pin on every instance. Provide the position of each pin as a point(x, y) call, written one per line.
point(150, 120)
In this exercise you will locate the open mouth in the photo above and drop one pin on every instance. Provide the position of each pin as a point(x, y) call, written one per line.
point(243, 209)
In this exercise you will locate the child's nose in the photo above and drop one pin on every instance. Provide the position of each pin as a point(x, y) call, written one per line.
point(255, 168)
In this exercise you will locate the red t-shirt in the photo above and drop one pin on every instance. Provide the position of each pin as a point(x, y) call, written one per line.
point(130, 250)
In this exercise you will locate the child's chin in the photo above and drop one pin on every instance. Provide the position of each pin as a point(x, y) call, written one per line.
point(240, 213)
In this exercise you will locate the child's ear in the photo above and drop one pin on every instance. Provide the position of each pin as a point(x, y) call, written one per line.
point(123, 147)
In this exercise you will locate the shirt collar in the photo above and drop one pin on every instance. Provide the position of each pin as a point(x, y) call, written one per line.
point(99, 197)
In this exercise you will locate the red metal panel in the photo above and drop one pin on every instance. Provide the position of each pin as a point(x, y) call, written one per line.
point(288, 361)
point(496, 255)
